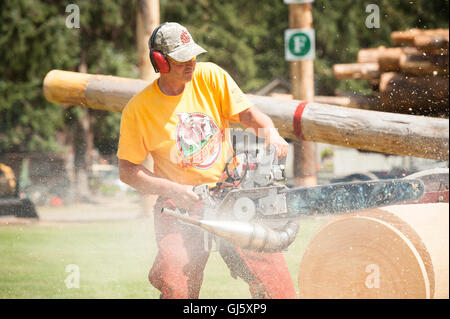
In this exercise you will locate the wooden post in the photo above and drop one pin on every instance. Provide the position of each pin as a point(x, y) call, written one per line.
point(302, 83)
point(148, 19)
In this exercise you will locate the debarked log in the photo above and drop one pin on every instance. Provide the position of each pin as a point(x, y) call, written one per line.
point(388, 59)
point(408, 36)
point(359, 101)
point(432, 42)
point(405, 59)
point(365, 71)
point(389, 133)
point(102, 92)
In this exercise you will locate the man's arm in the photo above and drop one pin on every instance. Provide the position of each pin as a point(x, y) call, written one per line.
point(257, 120)
point(140, 178)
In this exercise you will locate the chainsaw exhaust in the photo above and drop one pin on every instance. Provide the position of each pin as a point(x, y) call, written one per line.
point(251, 236)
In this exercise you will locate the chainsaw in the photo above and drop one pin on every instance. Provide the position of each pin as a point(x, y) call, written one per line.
point(252, 207)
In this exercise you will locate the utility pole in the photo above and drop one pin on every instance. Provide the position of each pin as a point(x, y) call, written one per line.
point(301, 46)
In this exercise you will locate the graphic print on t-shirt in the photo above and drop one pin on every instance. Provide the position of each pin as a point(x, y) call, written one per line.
point(199, 140)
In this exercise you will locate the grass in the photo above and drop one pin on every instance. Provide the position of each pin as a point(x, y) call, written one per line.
point(113, 258)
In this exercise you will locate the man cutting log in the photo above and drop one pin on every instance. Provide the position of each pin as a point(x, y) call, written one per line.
point(181, 119)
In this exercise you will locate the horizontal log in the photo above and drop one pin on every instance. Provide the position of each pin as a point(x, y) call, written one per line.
point(102, 92)
point(359, 101)
point(424, 64)
point(389, 59)
point(436, 85)
point(356, 71)
point(66, 87)
point(403, 92)
point(405, 59)
point(389, 103)
point(375, 131)
point(374, 54)
point(408, 36)
point(396, 252)
point(368, 55)
point(431, 41)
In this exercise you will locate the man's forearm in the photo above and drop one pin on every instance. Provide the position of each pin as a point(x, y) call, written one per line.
point(264, 127)
point(258, 121)
point(146, 182)
point(143, 180)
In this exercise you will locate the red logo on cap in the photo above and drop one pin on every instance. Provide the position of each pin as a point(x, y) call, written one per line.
point(185, 38)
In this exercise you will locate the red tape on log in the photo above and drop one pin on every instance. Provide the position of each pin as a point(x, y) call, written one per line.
point(298, 119)
point(434, 197)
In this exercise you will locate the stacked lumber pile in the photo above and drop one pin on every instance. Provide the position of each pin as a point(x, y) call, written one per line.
point(412, 78)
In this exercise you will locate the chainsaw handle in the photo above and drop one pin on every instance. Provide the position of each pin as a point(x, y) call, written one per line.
point(195, 210)
point(201, 190)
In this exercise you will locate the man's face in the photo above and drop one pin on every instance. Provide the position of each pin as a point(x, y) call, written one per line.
point(182, 71)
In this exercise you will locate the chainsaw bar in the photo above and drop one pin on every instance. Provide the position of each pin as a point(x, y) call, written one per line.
point(351, 196)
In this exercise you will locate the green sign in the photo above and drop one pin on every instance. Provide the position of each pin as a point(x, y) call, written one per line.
point(299, 44)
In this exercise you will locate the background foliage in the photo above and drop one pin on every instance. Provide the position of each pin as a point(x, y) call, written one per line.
point(245, 37)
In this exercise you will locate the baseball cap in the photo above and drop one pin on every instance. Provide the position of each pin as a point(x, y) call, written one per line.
point(175, 41)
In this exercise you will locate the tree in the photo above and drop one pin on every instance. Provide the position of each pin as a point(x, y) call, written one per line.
point(36, 38)
point(33, 40)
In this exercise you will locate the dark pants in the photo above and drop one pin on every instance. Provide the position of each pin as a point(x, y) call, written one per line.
point(178, 268)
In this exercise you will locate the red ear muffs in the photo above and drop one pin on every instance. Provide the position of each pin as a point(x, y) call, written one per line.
point(159, 62)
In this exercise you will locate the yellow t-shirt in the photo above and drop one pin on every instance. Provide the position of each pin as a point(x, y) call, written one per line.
point(186, 134)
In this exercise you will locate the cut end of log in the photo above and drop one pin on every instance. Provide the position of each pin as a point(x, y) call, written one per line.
point(65, 87)
point(397, 252)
